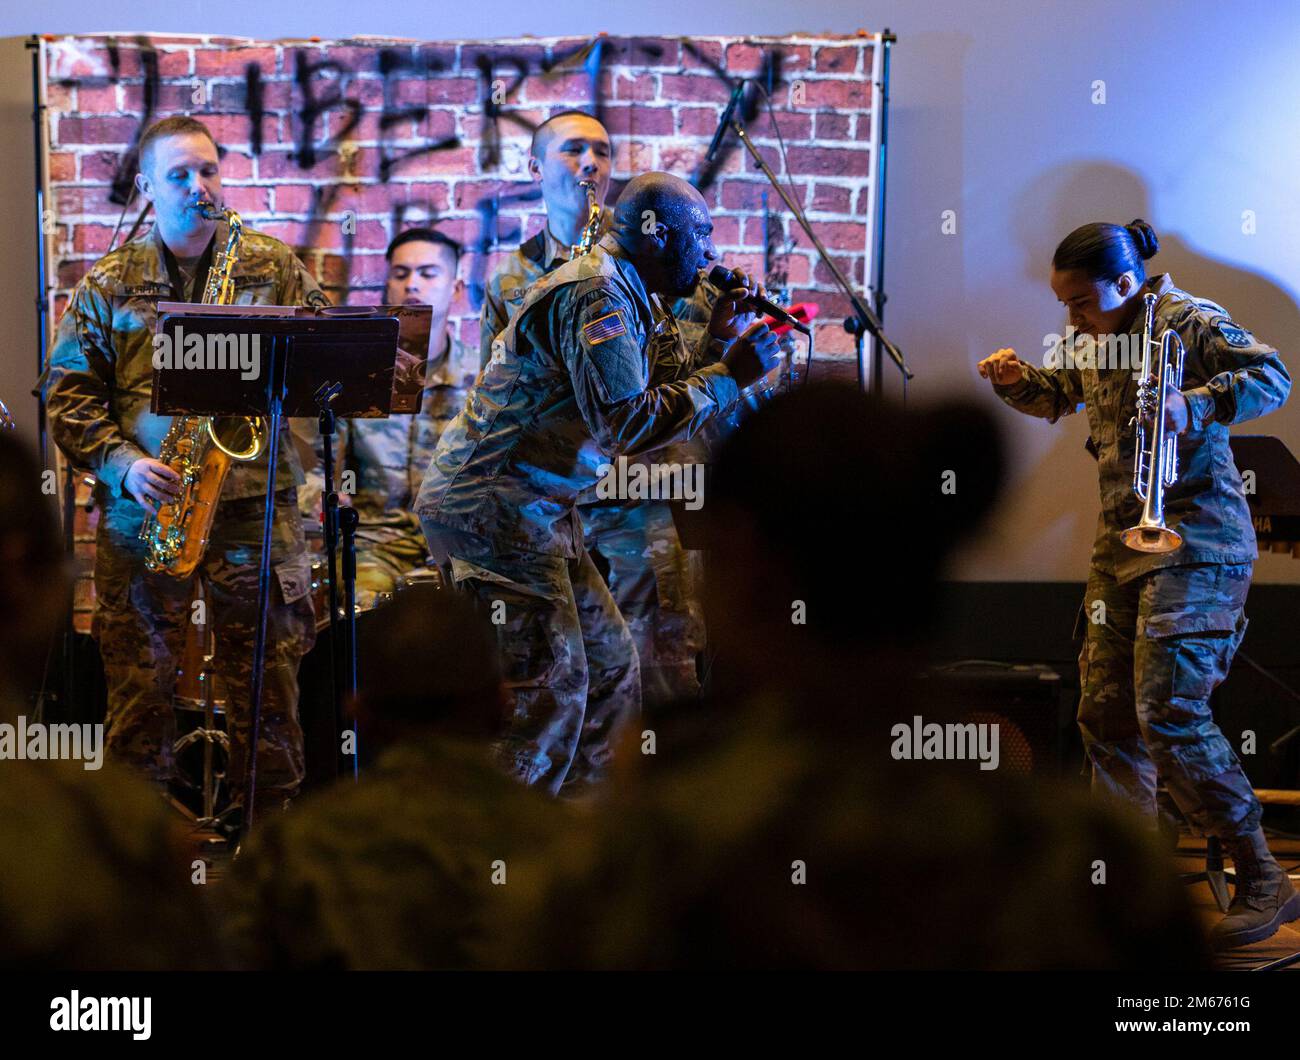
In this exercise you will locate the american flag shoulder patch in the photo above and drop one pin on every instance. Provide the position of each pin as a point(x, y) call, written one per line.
point(604, 328)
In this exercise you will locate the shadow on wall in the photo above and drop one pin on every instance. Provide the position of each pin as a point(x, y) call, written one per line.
point(1066, 197)
point(1045, 509)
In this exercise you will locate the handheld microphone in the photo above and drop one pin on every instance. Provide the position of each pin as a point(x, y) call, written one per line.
point(724, 279)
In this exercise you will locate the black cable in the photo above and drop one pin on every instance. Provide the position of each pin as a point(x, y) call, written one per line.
point(138, 221)
point(43, 692)
point(780, 140)
point(785, 169)
point(118, 227)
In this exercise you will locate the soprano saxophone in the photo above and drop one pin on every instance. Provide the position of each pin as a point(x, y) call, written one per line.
point(200, 448)
point(591, 231)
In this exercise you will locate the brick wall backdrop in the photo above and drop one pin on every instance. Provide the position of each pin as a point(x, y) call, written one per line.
point(334, 147)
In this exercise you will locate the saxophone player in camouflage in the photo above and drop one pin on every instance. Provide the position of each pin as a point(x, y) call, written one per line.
point(574, 372)
point(655, 582)
point(97, 388)
point(1163, 627)
point(388, 456)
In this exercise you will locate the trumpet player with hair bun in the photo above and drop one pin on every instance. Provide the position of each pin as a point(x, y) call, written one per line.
point(97, 389)
point(1164, 610)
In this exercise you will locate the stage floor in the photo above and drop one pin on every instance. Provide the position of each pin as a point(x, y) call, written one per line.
point(1191, 858)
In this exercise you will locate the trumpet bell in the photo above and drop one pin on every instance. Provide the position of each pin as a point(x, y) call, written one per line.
point(1143, 538)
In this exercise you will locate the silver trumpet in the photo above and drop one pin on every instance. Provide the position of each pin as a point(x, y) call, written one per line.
point(1155, 465)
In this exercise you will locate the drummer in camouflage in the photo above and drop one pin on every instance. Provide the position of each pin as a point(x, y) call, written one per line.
point(97, 389)
point(572, 376)
point(384, 459)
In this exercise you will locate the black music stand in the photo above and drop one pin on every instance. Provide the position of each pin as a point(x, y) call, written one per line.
point(1275, 502)
point(294, 356)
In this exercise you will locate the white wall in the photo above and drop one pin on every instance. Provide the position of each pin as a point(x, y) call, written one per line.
point(993, 118)
point(19, 358)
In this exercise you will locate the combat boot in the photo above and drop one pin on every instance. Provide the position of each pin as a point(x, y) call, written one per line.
point(1263, 899)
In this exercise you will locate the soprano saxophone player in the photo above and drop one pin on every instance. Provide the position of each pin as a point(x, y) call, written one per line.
point(1164, 626)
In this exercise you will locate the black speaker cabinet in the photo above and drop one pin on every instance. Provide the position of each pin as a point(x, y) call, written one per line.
point(1026, 702)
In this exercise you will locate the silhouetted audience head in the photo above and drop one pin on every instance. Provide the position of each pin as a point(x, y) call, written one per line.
point(430, 663)
point(831, 516)
point(35, 591)
point(92, 865)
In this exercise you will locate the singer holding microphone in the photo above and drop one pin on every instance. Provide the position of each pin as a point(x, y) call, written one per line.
point(1161, 627)
point(573, 370)
point(632, 541)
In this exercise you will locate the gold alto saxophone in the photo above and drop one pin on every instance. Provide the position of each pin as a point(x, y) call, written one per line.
point(591, 232)
point(200, 448)
point(1155, 464)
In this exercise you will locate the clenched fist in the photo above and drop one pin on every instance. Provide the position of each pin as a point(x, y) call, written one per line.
point(731, 316)
point(752, 355)
point(1002, 368)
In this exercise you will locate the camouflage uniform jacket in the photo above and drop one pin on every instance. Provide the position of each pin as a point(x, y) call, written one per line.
point(396, 872)
point(533, 259)
point(91, 877)
point(1228, 377)
point(572, 370)
point(543, 254)
point(100, 376)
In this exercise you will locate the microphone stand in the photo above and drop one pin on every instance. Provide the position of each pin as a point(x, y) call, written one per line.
point(864, 313)
point(343, 634)
point(853, 325)
point(348, 521)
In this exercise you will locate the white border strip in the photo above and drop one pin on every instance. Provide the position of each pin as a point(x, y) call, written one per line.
point(49, 281)
point(873, 145)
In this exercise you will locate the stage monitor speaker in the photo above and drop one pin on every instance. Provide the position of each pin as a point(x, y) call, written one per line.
point(1024, 701)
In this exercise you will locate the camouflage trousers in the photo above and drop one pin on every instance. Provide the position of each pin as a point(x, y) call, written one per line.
point(140, 624)
point(655, 583)
point(567, 658)
point(1155, 649)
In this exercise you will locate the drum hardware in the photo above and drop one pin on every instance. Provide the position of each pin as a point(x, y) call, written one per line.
point(201, 679)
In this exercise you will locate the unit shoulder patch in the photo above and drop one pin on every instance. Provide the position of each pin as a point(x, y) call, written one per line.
point(1232, 334)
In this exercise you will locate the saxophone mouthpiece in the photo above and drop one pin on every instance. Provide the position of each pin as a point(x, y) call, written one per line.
point(210, 210)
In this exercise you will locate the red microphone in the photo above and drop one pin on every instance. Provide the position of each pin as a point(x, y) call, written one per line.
point(724, 280)
point(803, 312)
